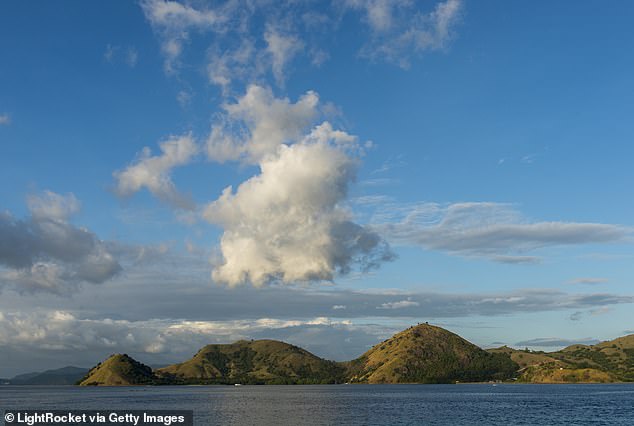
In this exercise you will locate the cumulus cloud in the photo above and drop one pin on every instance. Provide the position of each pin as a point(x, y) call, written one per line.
point(154, 172)
point(492, 230)
point(46, 253)
point(287, 223)
point(258, 124)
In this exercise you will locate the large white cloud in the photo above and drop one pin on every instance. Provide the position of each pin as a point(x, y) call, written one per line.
point(154, 172)
point(288, 223)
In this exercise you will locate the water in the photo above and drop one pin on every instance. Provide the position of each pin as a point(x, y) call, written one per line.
point(477, 404)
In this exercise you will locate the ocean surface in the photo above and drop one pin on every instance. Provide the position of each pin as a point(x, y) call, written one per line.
point(465, 404)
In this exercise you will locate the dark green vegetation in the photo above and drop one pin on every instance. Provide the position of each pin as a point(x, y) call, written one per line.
point(611, 361)
point(60, 376)
point(120, 370)
point(420, 354)
point(429, 354)
point(254, 362)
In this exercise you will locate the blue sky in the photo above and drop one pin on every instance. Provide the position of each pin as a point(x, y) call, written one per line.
point(459, 162)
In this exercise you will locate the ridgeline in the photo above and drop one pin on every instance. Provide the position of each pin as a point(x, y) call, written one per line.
point(420, 354)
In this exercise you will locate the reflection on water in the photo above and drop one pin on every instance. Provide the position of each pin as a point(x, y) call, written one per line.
point(351, 405)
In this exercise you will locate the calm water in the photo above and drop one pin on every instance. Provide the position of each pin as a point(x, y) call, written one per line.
point(353, 404)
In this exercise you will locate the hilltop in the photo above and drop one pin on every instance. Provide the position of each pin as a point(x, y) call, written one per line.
point(421, 354)
point(119, 370)
point(256, 361)
point(429, 354)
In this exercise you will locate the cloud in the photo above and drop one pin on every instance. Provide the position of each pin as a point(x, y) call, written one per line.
point(186, 316)
point(399, 305)
point(282, 48)
point(154, 172)
point(46, 253)
point(109, 54)
point(262, 123)
point(130, 56)
point(552, 342)
point(399, 29)
point(64, 337)
point(5, 119)
point(588, 280)
point(515, 260)
point(286, 224)
point(492, 230)
point(173, 21)
point(246, 40)
point(578, 315)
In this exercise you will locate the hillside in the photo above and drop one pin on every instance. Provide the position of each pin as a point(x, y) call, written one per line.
point(259, 361)
point(428, 354)
point(119, 370)
point(60, 376)
point(611, 361)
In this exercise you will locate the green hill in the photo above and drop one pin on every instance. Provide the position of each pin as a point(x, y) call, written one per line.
point(606, 362)
point(429, 354)
point(119, 370)
point(420, 354)
point(259, 361)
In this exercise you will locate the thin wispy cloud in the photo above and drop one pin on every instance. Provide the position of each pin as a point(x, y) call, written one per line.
point(5, 119)
point(554, 342)
point(491, 230)
point(399, 29)
point(246, 40)
point(588, 280)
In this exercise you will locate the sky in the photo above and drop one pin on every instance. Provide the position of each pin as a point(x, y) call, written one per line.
point(179, 173)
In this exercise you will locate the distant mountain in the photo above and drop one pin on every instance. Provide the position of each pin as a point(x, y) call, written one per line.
point(429, 354)
point(251, 362)
point(611, 361)
point(61, 376)
point(119, 370)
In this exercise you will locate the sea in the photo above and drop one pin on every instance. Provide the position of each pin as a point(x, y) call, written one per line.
point(459, 404)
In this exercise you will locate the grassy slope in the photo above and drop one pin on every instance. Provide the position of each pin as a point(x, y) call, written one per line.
point(119, 370)
point(611, 361)
point(259, 361)
point(428, 354)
